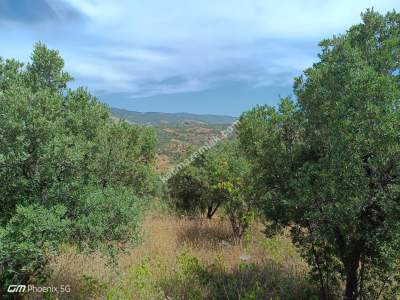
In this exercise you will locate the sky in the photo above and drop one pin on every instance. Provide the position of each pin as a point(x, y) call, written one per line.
point(205, 57)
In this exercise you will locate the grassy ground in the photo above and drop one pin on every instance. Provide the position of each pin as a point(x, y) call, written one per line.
point(182, 258)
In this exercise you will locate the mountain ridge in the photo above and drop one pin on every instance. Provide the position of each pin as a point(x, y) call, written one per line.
point(158, 118)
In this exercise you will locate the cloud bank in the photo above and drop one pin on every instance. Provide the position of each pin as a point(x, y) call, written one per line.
point(145, 49)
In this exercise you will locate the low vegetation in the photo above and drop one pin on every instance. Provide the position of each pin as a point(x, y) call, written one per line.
point(190, 258)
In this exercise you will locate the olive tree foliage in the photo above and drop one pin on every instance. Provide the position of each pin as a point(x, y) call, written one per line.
point(193, 189)
point(230, 181)
point(46, 133)
point(328, 164)
point(28, 241)
point(58, 146)
point(108, 217)
point(116, 147)
point(217, 179)
point(189, 192)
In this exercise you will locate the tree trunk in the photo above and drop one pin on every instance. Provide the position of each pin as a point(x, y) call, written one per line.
point(351, 291)
point(211, 211)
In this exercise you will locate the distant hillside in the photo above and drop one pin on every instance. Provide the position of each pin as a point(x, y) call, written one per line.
point(156, 118)
point(178, 133)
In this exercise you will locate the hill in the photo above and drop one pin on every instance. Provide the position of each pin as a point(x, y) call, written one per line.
point(178, 133)
point(158, 118)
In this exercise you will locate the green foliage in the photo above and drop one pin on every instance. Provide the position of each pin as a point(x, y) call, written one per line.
point(107, 216)
point(141, 282)
point(60, 148)
point(189, 273)
point(191, 269)
point(217, 178)
point(31, 237)
point(123, 157)
point(46, 143)
point(188, 191)
point(92, 287)
point(234, 183)
point(46, 70)
point(328, 165)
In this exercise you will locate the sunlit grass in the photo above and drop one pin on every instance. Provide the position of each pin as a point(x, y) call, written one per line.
point(189, 258)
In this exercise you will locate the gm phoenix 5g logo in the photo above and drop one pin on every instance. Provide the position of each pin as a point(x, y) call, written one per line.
point(16, 288)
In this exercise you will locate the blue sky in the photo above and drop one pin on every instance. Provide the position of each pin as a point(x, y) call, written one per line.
point(219, 57)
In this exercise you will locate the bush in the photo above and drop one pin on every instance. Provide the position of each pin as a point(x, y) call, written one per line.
point(107, 217)
point(189, 192)
point(123, 155)
point(31, 237)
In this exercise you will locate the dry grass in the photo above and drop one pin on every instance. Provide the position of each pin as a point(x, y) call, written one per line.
point(183, 258)
point(162, 163)
point(202, 130)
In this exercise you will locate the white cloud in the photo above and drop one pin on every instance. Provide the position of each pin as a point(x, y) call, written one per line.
point(205, 38)
point(139, 46)
point(179, 19)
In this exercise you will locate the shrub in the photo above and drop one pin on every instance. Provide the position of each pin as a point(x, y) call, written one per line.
point(31, 237)
point(107, 217)
point(123, 155)
point(189, 192)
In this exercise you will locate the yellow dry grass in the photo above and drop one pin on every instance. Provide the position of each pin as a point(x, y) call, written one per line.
point(162, 163)
point(174, 257)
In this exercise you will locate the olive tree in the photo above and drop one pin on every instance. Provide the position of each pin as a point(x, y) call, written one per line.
point(68, 172)
point(123, 155)
point(217, 179)
point(191, 191)
point(327, 165)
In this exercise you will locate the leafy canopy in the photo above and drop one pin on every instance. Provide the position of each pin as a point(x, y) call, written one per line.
point(217, 178)
point(68, 171)
point(328, 164)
